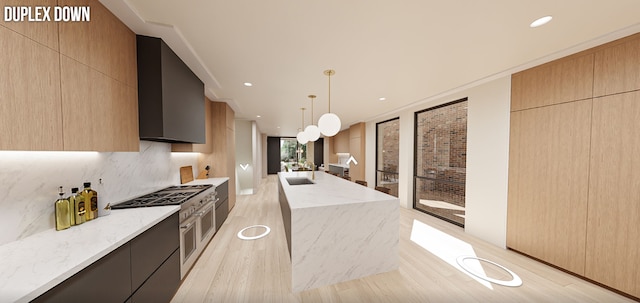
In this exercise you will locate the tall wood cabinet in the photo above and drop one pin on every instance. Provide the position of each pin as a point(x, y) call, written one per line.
point(357, 150)
point(68, 85)
point(574, 173)
point(222, 158)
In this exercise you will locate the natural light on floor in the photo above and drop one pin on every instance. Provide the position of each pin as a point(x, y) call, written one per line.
point(447, 248)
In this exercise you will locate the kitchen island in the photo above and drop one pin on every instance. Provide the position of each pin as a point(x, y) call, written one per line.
point(336, 230)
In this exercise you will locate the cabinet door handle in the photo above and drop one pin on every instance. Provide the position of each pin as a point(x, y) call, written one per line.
point(187, 226)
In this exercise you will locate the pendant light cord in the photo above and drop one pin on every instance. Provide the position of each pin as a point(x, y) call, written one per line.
point(329, 92)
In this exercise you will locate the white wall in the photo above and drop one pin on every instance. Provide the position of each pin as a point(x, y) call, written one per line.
point(256, 141)
point(487, 156)
point(244, 156)
point(29, 181)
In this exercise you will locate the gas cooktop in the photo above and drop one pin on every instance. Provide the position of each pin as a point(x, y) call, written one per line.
point(173, 195)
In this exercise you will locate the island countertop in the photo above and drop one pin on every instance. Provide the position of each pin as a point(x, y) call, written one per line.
point(337, 230)
point(328, 190)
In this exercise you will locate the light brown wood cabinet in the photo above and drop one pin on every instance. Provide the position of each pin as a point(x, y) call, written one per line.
point(574, 170)
point(30, 111)
point(105, 44)
point(548, 179)
point(222, 158)
point(564, 80)
point(617, 68)
point(68, 86)
point(357, 150)
point(42, 32)
point(100, 113)
point(613, 236)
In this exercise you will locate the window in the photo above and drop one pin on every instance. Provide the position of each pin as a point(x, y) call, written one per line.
point(441, 159)
point(387, 154)
point(292, 154)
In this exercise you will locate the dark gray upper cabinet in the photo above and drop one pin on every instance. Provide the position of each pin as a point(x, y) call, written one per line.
point(170, 95)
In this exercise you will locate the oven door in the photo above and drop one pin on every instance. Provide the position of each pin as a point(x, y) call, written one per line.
point(206, 224)
point(188, 245)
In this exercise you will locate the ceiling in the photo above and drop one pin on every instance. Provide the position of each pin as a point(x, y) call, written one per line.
point(407, 51)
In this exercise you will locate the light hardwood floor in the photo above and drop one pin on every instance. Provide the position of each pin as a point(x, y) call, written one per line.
point(233, 270)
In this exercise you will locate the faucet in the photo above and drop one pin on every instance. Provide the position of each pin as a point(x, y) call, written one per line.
point(313, 170)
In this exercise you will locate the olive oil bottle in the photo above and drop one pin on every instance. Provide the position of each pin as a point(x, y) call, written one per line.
point(62, 212)
point(90, 201)
point(76, 203)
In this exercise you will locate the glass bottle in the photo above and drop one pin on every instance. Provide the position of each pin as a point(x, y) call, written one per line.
point(62, 212)
point(76, 203)
point(90, 201)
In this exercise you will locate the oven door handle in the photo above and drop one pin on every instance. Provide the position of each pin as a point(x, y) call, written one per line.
point(188, 225)
point(206, 208)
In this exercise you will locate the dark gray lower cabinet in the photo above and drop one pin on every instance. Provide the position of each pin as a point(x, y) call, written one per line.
point(150, 249)
point(106, 280)
point(162, 285)
point(145, 269)
point(286, 215)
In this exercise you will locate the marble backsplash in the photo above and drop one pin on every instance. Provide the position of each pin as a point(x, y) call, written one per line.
point(29, 181)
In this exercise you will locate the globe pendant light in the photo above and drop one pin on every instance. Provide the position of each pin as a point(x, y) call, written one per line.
point(312, 131)
point(302, 136)
point(329, 123)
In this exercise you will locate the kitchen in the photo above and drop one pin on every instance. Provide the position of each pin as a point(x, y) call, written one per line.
point(150, 166)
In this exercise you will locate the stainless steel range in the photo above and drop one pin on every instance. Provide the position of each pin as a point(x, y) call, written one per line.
point(197, 216)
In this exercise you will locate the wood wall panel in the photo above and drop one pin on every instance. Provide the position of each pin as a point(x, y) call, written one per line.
point(613, 236)
point(42, 32)
point(560, 81)
point(617, 68)
point(30, 106)
point(109, 47)
point(548, 179)
point(100, 114)
point(341, 142)
point(357, 150)
point(222, 158)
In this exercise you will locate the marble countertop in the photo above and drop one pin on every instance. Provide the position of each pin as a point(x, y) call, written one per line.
point(339, 165)
point(328, 190)
point(31, 266)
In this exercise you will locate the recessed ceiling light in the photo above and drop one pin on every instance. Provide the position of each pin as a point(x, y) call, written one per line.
point(542, 21)
point(278, 127)
point(248, 84)
point(382, 98)
point(258, 116)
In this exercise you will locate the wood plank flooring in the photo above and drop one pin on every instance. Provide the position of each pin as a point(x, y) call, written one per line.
point(233, 270)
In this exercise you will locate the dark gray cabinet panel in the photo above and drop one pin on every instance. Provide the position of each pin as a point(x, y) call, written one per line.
point(286, 215)
point(153, 247)
point(106, 280)
point(150, 264)
point(163, 284)
point(273, 155)
point(223, 190)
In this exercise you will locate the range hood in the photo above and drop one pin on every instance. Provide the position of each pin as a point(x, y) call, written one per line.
point(170, 96)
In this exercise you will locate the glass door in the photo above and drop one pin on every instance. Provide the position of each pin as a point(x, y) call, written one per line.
point(388, 154)
point(441, 159)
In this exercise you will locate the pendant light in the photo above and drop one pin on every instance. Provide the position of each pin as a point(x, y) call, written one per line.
point(329, 124)
point(302, 136)
point(312, 131)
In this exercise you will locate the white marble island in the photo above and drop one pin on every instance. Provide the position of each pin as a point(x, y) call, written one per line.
point(337, 230)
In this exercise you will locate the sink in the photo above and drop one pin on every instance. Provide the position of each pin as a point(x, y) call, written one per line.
point(299, 181)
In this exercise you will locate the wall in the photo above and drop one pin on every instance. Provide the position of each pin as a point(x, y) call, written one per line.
point(263, 144)
point(487, 156)
point(29, 181)
point(244, 156)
